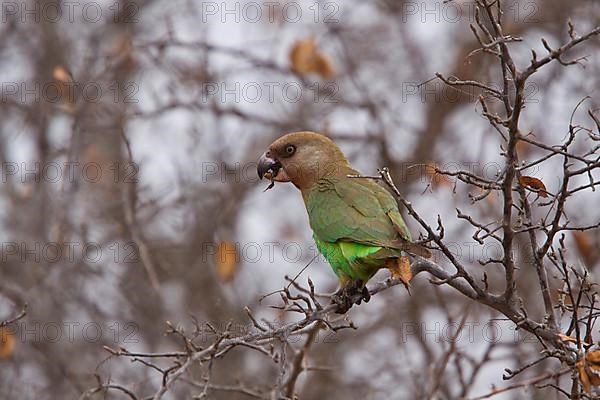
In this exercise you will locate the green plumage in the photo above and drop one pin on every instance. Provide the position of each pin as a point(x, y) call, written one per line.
point(356, 225)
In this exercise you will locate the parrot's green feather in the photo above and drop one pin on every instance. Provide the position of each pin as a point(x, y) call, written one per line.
point(356, 225)
point(347, 259)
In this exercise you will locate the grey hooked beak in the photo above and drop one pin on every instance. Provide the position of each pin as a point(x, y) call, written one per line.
point(267, 167)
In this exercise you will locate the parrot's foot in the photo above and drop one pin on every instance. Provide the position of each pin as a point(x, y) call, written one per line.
point(366, 296)
point(342, 301)
point(346, 297)
point(342, 298)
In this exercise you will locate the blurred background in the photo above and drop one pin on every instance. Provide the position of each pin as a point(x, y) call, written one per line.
point(129, 134)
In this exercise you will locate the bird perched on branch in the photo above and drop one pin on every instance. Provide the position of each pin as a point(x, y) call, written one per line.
point(356, 223)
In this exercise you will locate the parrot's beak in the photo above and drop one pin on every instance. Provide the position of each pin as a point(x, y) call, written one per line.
point(271, 169)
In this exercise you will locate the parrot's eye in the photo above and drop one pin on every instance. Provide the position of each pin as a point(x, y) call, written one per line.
point(290, 149)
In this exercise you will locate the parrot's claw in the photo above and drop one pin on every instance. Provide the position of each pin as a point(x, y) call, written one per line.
point(342, 300)
point(345, 297)
point(366, 295)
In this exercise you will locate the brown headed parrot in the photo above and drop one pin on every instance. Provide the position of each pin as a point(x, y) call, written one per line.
point(356, 223)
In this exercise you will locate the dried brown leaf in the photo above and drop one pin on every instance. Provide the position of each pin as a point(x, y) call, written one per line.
point(583, 377)
point(589, 370)
point(62, 74)
point(534, 183)
point(302, 56)
point(324, 66)
point(569, 339)
point(64, 84)
point(437, 179)
point(7, 343)
point(586, 248)
point(306, 59)
point(226, 260)
point(523, 148)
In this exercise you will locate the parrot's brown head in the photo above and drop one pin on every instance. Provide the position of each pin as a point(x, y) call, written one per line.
point(301, 158)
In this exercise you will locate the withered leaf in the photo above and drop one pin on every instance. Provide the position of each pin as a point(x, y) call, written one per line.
point(226, 260)
point(583, 377)
point(523, 148)
point(586, 248)
point(431, 170)
point(7, 343)
point(589, 370)
point(302, 56)
point(534, 183)
point(64, 81)
point(324, 66)
point(306, 59)
point(62, 74)
point(569, 339)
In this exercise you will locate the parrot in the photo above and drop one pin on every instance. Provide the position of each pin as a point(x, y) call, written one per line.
point(355, 221)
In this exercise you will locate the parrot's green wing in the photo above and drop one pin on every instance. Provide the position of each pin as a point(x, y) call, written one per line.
point(357, 225)
point(356, 210)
